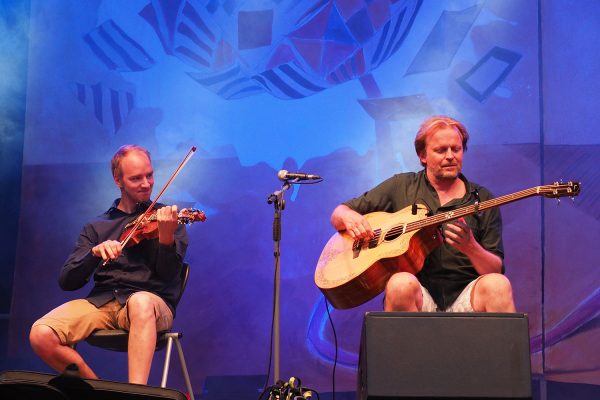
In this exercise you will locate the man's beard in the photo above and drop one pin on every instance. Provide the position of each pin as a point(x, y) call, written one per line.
point(445, 174)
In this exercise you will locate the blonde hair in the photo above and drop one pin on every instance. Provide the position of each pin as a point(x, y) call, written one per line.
point(432, 125)
point(115, 163)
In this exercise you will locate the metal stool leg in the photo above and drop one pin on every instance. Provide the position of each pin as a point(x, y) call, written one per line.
point(163, 382)
point(186, 376)
point(174, 337)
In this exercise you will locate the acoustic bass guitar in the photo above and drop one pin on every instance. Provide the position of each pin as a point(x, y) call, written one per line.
point(351, 272)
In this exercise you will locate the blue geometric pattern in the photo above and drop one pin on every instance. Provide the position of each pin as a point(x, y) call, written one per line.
point(443, 41)
point(292, 50)
point(485, 76)
point(254, 29)
point(109, 106)
point(396, 108)
point(183, 31)
point(116, 49)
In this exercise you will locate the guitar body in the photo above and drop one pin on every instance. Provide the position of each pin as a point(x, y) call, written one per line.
point(351, 272)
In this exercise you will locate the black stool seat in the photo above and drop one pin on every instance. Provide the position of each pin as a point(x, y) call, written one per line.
point(117, 339)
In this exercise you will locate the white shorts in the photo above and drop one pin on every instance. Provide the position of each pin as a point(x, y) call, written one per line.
point(461, 304)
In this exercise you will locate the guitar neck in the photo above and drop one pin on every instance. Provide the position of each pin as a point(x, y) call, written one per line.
point(447, 216)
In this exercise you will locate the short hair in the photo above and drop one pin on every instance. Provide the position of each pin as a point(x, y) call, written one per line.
point(433, 124)
point(115, 163)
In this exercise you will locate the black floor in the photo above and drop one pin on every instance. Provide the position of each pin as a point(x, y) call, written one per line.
point(247, 388)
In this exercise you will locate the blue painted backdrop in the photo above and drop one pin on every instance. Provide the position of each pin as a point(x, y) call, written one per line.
point(332, 87)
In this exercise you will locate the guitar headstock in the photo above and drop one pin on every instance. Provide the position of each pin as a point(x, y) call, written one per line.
point(560, 189)
point(190, 215)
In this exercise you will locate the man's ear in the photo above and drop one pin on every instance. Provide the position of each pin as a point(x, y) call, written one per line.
point(118, 181)
point(422, 157)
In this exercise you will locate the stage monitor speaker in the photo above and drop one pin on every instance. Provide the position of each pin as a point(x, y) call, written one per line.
point(444, 356)
point(35, 385)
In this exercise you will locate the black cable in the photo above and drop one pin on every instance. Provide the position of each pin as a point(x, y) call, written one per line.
point(306, 182)
point(336, 347)
point(262, 393)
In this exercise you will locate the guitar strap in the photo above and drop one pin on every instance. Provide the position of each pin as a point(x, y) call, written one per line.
point(475, 193)
point(414, 204)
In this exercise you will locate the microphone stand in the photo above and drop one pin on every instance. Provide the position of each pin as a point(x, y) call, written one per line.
point(276, 198)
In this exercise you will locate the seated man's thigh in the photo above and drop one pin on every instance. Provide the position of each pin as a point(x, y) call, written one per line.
point(76, 320)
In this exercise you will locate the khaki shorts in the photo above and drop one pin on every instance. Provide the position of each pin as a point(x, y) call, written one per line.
point(77, 319)
point(461, 304)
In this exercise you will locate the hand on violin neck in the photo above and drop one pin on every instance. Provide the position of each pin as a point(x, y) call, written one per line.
point(167, 224)
point(108, 250)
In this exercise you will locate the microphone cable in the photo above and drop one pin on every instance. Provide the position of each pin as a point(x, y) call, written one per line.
point(307, 182)
point(335, 341)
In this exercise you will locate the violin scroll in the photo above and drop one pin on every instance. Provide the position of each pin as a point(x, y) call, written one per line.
point(190, 215)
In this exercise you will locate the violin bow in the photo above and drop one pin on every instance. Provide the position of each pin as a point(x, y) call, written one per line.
point(141, 218)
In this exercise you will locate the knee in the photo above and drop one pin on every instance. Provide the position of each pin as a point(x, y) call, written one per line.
point(402, 285)
point(141, 306)
point(42, 338)
point(496, 285)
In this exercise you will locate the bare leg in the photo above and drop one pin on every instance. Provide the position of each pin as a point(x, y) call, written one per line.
point(142, 337)
point(493, 293)
point(403, 293)
point(47, 346)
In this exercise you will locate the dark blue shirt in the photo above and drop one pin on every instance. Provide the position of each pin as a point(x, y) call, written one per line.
point(148, 266)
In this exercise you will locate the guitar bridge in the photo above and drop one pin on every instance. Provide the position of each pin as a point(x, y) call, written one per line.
point(358, 245)
point(375, 241)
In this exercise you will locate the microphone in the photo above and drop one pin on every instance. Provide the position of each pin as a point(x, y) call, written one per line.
point(299, 176)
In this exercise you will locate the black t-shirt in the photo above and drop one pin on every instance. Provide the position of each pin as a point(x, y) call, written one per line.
point(446, 271)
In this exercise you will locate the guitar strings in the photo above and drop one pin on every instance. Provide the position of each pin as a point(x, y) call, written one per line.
point(440, 218)
point(467, 210)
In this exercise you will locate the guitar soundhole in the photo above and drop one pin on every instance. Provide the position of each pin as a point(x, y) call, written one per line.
point(392, 236)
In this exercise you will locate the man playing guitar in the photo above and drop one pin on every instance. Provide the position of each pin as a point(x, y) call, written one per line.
point(466, 272)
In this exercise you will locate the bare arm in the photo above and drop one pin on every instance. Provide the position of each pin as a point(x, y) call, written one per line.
point(346, 219)
point(459, 235)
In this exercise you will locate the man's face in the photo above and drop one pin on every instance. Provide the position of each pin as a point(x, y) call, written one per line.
point(137, 177)
point(443, 154)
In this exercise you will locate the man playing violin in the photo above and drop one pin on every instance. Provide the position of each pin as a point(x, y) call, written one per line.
point(466, 272)
point(134, 288)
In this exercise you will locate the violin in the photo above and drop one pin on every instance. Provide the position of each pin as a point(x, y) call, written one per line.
point(146, 225)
